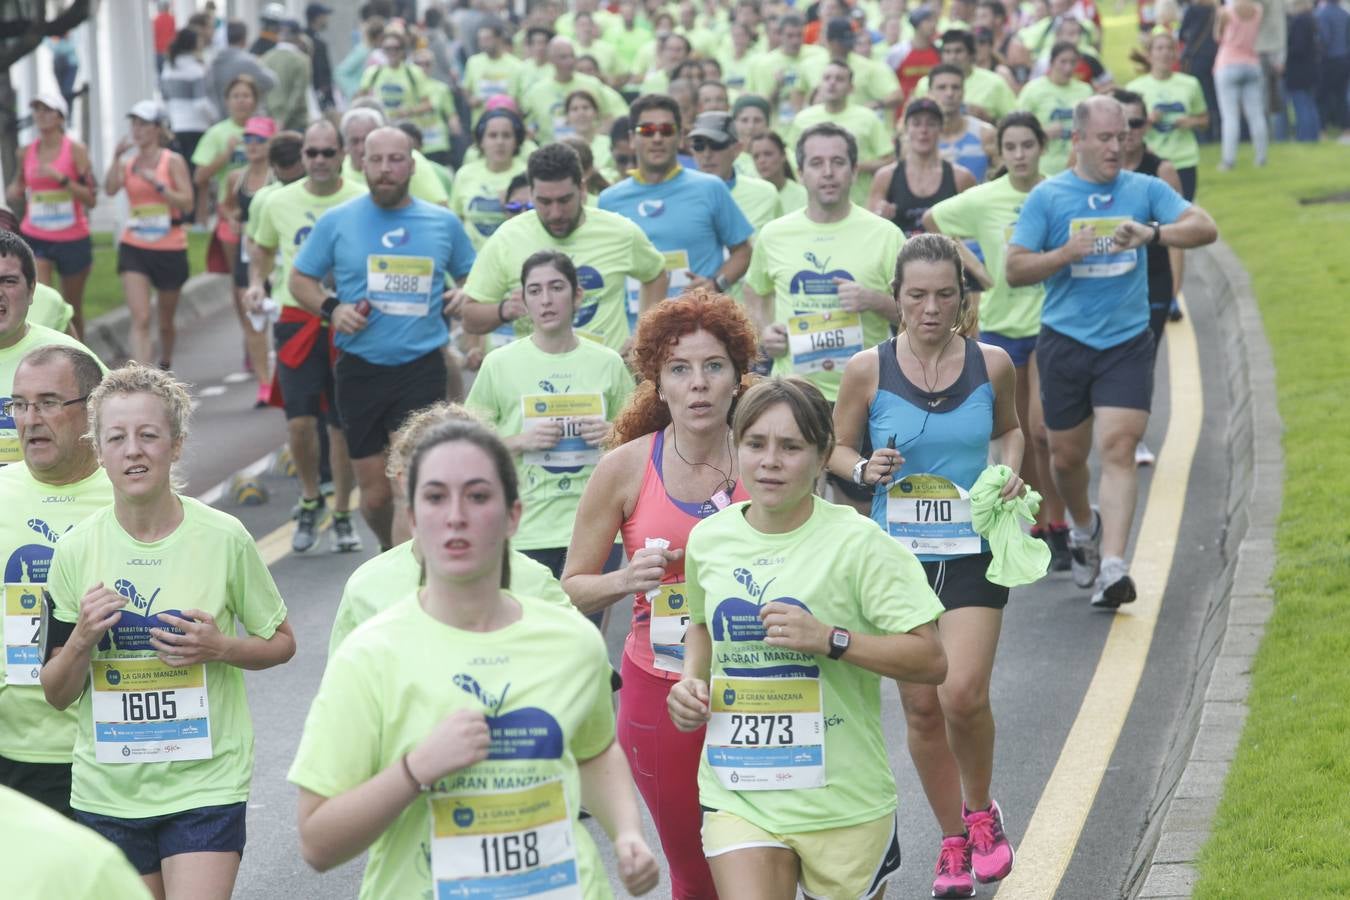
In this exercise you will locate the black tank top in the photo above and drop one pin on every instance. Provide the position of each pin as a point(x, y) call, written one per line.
point(1159, 263)
point(909, 208)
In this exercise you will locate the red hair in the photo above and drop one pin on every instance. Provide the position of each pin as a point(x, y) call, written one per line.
point(658, 332)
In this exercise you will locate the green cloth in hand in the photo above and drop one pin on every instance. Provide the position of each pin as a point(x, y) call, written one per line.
point(1019, 558)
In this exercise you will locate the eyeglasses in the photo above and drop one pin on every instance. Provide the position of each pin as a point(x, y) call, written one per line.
point(254, 139)
point(325, 152)
point(47, 407)
point(652, 129)
point(700, 144)
point(1137, 123)
point(516, 207)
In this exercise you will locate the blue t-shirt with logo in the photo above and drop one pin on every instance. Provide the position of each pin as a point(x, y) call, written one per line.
point(398, 260)
point(691, 212)
point(1101, 300)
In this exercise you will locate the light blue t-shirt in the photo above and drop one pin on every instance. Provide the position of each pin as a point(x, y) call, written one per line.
point(398, 260)
point(1102, 300)
point(692, 211)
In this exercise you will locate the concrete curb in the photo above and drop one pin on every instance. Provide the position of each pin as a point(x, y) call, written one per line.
point(204, 295)
point(1192, 779)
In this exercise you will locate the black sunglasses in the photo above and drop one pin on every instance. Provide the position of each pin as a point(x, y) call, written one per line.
point(699, 144)
point(325, 152)
point(1137, 123)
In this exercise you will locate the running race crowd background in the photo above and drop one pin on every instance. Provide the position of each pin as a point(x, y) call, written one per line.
point(782, 323)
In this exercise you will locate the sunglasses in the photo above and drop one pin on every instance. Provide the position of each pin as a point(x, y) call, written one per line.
point(624, 161)
point(325, 152)
point(516, 207)
point(1137, 123)
point(652, 129)
point(700, 144)
point(254, 139)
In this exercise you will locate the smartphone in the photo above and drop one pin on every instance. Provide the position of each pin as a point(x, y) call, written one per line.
point(363, 307)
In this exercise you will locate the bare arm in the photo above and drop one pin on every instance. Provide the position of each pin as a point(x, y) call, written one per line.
point(179, 189)
point(1008, 442)
point(1195, 228)
point(14, 192)
point(82, 187)
point(735, 265)
point(856, 390)
point(915, 656)
point(651, 293)
point(881, 187)
point(602, 507)
point(308, 292)
point(965, 179)
point(481, 318)
point(607, 793)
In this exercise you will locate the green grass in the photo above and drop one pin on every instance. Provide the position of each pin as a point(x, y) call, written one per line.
point(103, 291)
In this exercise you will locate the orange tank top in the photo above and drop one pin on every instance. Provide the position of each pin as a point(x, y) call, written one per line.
point(152, 225)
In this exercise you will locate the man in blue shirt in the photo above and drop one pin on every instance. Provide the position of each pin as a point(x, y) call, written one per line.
point(1083, 233)
point(690, 216)
point(389, 255)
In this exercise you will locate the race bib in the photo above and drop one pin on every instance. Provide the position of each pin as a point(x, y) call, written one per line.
point(566, 409)
point(150, 221)
point(766, 734)
point(930, 515)
point(823, 342)
point(494, 846)
point(400, 285)
point(23, 615)
point(146, 711)
point(1104, 261)
point(11, 451)
point(492, 87)
point(669, 622)
point(51, 210)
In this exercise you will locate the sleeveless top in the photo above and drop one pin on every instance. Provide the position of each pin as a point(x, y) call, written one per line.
point(909, 207)
point(1237, 43)
point(944, 433)
point(966, 149)
point(243, 196)
point(52, 213)
point(659, 515)
point(1159, 263)
point(151, 226)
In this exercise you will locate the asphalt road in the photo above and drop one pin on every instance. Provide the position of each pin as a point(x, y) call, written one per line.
point(1048, 654)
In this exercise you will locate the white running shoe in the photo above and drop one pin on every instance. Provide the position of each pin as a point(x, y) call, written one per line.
point(1144, 456)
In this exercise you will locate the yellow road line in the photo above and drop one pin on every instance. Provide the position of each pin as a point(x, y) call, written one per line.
point(1055, 826)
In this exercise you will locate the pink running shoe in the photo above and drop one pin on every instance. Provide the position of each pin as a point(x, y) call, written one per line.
point(952, 876)
point(991, 854)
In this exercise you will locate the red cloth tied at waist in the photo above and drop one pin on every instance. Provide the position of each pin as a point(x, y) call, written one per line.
point(299, 346)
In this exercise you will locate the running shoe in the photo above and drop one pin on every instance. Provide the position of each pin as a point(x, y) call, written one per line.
point(952, 876)
point(1087, 553)
point(991, 854)
point(1061, 557)
point(1143, 456)
point(1114, 585)
point(307, 525)
point(345, 538)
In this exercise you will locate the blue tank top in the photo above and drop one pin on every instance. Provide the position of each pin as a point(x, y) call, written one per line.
point(942, 435)
point(967, 150)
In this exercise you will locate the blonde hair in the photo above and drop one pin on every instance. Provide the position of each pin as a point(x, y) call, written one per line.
point(135, 378)
point(418, 424)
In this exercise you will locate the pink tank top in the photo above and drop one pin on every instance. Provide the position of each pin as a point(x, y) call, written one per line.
point(1237, 44)
point(659, 515)
point(52, 213)
point(151, 226)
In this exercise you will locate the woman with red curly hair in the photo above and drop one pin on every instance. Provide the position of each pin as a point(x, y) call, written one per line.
point(671, 467)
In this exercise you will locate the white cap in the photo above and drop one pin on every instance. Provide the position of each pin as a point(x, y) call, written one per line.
point(148, 111)
point(274, 12)
point(51, 100)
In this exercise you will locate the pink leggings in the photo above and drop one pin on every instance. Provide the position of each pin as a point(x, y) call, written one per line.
point(664, 762)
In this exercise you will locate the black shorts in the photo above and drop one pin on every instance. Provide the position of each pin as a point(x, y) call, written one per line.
point(166, 269)
point(1076, 379)
point(209, 829)
point(373, 401)
point(961, 582)
point(240, 266)
point(47, 783)
point(68, 257)
point(310, 388)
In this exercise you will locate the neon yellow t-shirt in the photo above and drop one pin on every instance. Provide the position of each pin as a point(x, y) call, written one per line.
point(477, 198)
point(987, 213)
point(395, 575)
point(396, 87)
point(435, 122)
point(485, 77)
point(796, 70)
point(213, 143)
point(792, 196)
point(846, 571)
point(424, 184)
point(874, 141)
point(46, 855)
point(286, 221)
point(36, 516)
point(796, 261)
point(515, 381)
point(757, 199)
point(872, 81)
point(49, 308)
point(1176, 96)
point(542, 105)
point(606, 248)
point(981, 88)
point(398, 675)
point(10, 357)
point(210, 563)
point(1053, 104)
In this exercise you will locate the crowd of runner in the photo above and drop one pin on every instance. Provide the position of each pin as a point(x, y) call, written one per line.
point(779, 324)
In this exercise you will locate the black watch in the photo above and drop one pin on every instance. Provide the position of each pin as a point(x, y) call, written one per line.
point(330, 303)
point(839, 641)
point(1157, 233)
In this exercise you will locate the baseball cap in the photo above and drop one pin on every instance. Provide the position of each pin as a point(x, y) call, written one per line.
point(314, 10)
point(261, 126)
point(274, 12)
point(501, 101)
point(715, 126)
point(919, 16)
point(839, 30)
point(51, 100)
point(147, 111)
point(923, 105)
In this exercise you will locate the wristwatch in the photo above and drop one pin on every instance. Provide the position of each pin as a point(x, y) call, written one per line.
point(720, 282)
point(330, 303)
point(1156, 240)
point(858, 468)
point(839, 641)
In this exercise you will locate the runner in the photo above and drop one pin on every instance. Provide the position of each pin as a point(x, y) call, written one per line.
point(543, 106)
point(713, 140)
point(491, 71)
point(220, 152)
point(480, 185)
point(47, 307)
point(551, 397)
point(964, 140)
point(835, 104)
point(1051, 98)
point(1094, 351)
point(59, 484)
point(949, 424)
point(304, 371)
point(399, 87)
point(240, 186)
point(439, 122)
point(360, 121)
point(146, 597)
point(1009, 317)
point(478, 786)
point(391, 256)
point(767, 668)
point(780, 75)
point(905, 190)
point(986, 95)
point(605, 247)
point(771, 164)
point(671, 466)
point(750, 113)
point(58, 189)
point(583, 117)
point(152, 252)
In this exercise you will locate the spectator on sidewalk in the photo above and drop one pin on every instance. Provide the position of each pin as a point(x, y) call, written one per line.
point(289, 100)
point(165, 28)
point(1237, 75)
point(1301, 71)
point(231, 62)
point(182, 82)
point(1333, 27)
point(316, 21)
point(273, 15)
point(1271, 43)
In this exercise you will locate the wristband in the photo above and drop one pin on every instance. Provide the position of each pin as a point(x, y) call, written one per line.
point(330, 303)
point(858, 468)
point(501, 312)
point(1156, 240)
point(421, 788)
point(720, 283)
